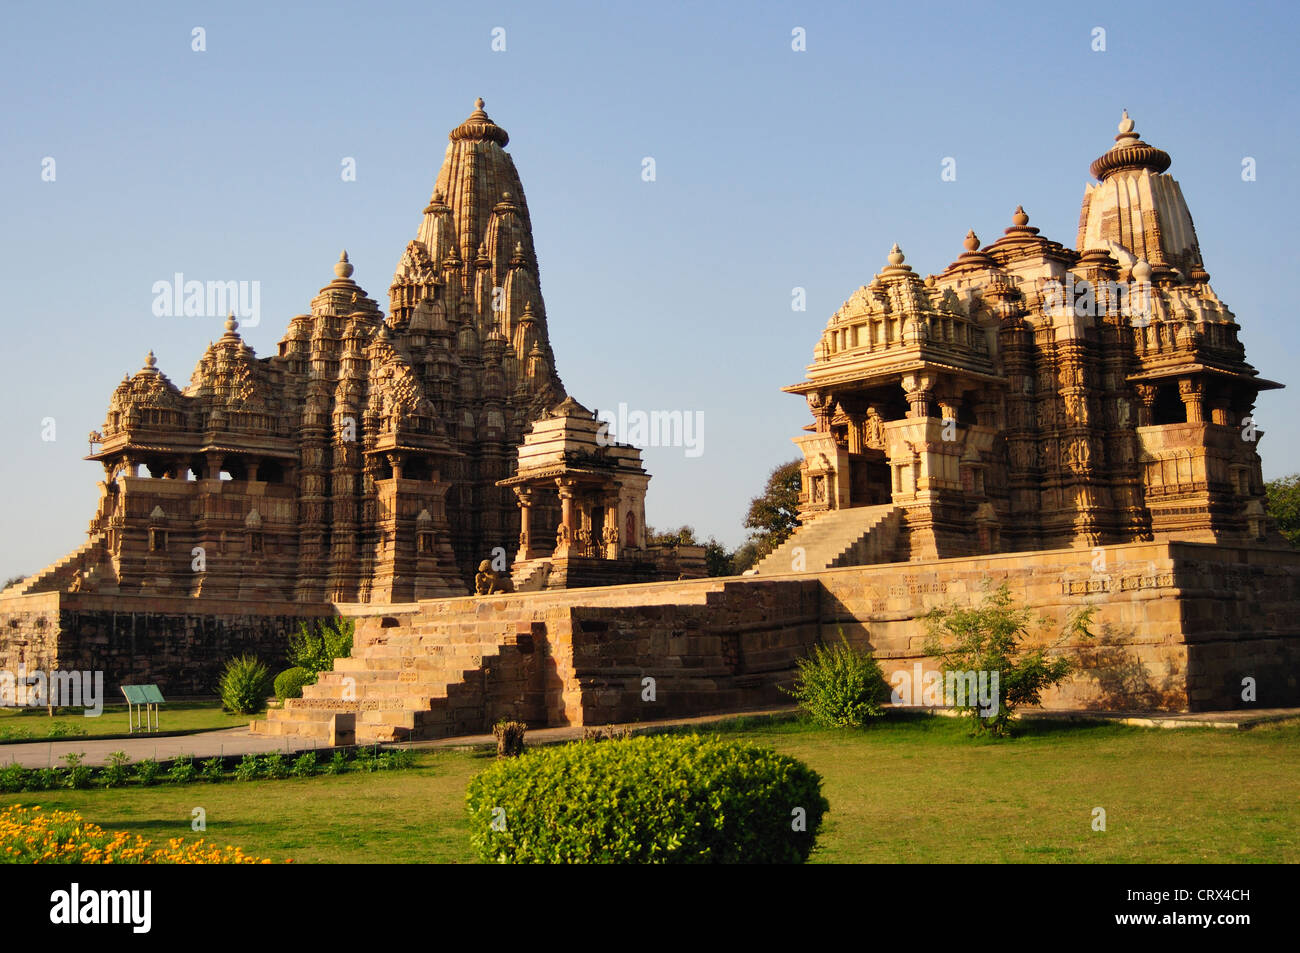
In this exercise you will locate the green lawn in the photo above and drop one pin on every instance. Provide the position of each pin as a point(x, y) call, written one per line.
point(34, 723)
point(915, 790)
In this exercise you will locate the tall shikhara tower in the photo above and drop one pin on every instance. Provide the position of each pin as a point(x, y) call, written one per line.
point(360, 462)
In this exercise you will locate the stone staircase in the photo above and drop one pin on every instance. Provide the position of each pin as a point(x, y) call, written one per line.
point(531, 576)
point(58, 575)
point(401, 683)
point(858, 536)
point(450, 666)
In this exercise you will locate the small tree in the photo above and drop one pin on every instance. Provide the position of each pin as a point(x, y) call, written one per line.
point(988, 638)
point(316, 645)
point(1284, 506)
point(840, 687)
point(774, 515)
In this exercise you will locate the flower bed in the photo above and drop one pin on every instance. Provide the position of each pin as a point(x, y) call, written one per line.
point(31, 835)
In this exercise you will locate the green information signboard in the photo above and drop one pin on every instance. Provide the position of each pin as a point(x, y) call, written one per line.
point(142, 700)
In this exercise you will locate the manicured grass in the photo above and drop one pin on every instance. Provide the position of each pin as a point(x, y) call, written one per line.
point(172, 716)
point(912, 789)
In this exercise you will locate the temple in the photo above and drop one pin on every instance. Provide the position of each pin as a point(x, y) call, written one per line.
point(1076, 425)
point(370, 458)
point(1032, 397)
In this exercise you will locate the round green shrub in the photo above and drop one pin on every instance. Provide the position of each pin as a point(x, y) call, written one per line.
point(665, 799)
point(289, 683)
point(244, 685)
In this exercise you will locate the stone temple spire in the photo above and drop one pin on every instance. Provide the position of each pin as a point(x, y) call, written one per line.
point(473, 254)
point(1137, 212)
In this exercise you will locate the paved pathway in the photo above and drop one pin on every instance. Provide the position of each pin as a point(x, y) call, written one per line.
point(238, 741)
point(205, 744)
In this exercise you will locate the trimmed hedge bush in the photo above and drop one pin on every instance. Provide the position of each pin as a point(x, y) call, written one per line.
point(663, 799)
point(289, 683)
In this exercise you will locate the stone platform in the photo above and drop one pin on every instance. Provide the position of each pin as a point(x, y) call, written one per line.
point(1178, 627)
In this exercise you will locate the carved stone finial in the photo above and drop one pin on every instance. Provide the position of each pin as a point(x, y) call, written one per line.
point(343, 267)
point(1020, 219)
point(972, 241)
point(896, 255)
point(150, 361)
point(478, 103)
point(231, 323)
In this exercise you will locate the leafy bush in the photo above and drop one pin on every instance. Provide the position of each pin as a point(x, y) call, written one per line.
point(395, 759)
point(337, 764)
point(13, 778)
point(244, 685)
point(840, 687)
point(318, 643)
point(147, 771)
point(75, 774)
point(212, 770)
point(365, 759)
point(510, 738)
point(304, 766)
point(115, 774)
point(658, 799)
point(289, 683)
point(44, 779)
point(987, 638)
point(64, 729)
point(606, 733)
point(182, 771)
point(273, 767)
point(248, 769)
point(14, 734)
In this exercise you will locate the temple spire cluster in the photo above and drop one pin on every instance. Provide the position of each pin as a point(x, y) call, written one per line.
point(361, 461)
point(1033, 396)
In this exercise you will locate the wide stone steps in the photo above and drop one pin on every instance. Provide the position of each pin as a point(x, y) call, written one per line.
point(401, 683)
point(837, 538)
point(51, 573)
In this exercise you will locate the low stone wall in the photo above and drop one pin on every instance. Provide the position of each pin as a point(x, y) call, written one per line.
point(179, 644)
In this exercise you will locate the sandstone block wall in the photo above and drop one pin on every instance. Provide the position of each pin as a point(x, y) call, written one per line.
point(1178, 626)
point(176, 643)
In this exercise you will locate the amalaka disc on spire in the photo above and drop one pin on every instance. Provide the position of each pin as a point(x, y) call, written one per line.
point(479, 127)
point(1129, 152)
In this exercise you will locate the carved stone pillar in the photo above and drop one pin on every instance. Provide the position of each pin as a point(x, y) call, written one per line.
point(1146, 404)
point(1192, 391)
point(566, 532)
point(213, 462)
point(609, 536)
point(524, 500)
point(919, 389)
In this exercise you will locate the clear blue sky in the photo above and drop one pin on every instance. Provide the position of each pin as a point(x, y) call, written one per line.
point(775, 169)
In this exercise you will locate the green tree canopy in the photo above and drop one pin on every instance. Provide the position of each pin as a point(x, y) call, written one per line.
point(1284, 506)
point(774, 514)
